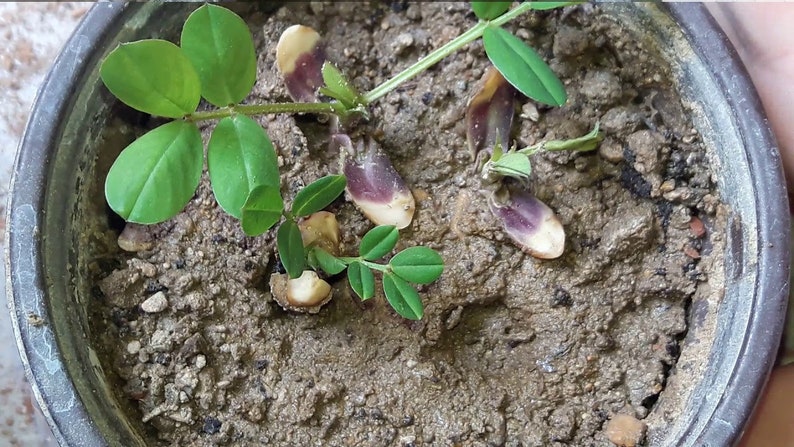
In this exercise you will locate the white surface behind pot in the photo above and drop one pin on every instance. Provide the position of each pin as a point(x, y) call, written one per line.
point(33, 34)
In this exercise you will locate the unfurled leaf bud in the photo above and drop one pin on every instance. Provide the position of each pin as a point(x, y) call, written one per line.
point(489, 114)
point(300, 58)
point(321, 229)
point(306, 293)
point(375, 186)
point(529, 222)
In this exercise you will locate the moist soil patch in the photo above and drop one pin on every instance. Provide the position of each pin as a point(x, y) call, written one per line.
point(512, 350)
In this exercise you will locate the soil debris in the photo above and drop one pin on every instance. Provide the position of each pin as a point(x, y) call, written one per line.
point(625, 430)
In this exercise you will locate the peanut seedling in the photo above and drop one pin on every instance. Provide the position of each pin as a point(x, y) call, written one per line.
point(155, 176)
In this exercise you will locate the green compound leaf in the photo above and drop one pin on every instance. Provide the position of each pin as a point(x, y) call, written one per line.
point(419, 265)
point(402, 297)
point(154, 177)
point(337, 87)
point(523, 67)
point(361, 279)
point(542, 6)
point(219, 45)
point(152, 76)
point(329, 263)
point(378, 242)
point(489, 10)
point(290, 249)
point(318, 195)
point(262, 210)
point(240, 157)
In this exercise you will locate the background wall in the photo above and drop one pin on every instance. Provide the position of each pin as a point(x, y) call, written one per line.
point(32, 36)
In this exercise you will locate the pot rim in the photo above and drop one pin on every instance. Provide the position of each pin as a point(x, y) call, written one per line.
point(758, 353)
point(70, 422)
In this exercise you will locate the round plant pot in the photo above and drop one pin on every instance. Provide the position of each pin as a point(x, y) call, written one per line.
point(731, 341)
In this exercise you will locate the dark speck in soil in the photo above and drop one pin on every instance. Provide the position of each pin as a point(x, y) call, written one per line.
point(676, 168)
point(163, 359)
point(279, 268)
point(399, 6)
point(672, 348)
point(649, 401)
point(665, 209)
point(154, 287)
point(179, 263)
point(631, 179)
point(211, 425)
point(561, 298)
point(427, 98)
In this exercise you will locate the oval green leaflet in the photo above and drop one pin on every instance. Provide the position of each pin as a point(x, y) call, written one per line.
point(290, 248)
point(378, 242)
point(361, 279)
point(156, 175)
point(402, 297)
point(318, 195)
point(152, 76)
point(240, 157)
point(219, 45)
point(523, 67)
point(262, 210)
point(329, 263)
point(421, 265)
point(489, 10)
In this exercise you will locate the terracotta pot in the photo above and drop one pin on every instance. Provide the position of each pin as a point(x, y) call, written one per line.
point(48, 297)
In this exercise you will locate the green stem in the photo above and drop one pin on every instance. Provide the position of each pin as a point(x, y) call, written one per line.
point(348, 260)
point(531, 150)
point(263, 109)
point(450, 47)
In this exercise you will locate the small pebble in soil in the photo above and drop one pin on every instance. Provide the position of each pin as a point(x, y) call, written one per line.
point(402, 43)
point(155, 303)
point(625, 431)
point(530, 111)
point(134, 238)
point(134, 347)
point(696, 227)
point(260, 365)
point(211, 425)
